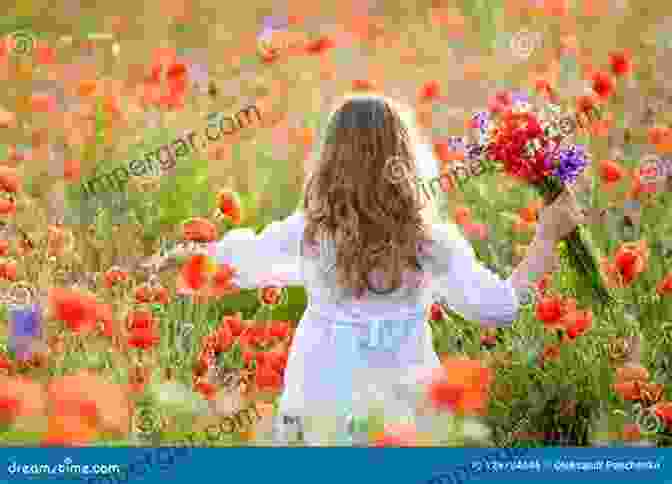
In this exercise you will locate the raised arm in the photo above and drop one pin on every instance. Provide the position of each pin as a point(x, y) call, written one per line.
point(480, 295)
point(464, 284)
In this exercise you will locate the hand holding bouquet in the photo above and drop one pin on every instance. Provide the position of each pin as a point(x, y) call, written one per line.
point(528, 144)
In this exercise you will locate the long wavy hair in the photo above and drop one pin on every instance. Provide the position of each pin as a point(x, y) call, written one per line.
point(363, 194)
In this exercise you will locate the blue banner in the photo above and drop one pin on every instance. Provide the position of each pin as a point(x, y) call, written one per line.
point(337, 465)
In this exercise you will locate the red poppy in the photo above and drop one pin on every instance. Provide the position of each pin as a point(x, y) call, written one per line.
point(578, 322)
point(266, 377)
point(260, 356)
point(44, 54)
point(114, 276)
point(320, 46)
point(161, 295)
point(445, 154)
point(235, 324)
point(621, 62)
point(270, 295)
point(151, 93)
point(551, 352)
point(143, 338)
point(223, 338)
point(630, 261)
point(429, 91)
point(163, 56)
point(550, 310)
point(72, 169)
point(195, 273)
point(139, 319)
point(222, 281)
point(542, 86)
point(530, 213)
point(261, 335)
point(199, 230)
point(176, 72)
point(228, 204)
point(610, 171)
point(5, 362)
point(42, 103)
point(20, 397)
point(248, 357)
point(7, 207)
point(664, 287)
point(460, 385)
point(208, 390)
point(603, 85)
point(658, 134)
point(8, 270)
point(9, 179)
point(87, 395)
point(462, 215)
point(143, 294)
point(106, 319)
point(77, 310)
point(664, 411)
point(280, 329)
point(500, 102)
point(628, 391)
point(277, 360)
point(68, 430)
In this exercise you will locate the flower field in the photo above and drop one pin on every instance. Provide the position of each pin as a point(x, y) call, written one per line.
point(97, 350)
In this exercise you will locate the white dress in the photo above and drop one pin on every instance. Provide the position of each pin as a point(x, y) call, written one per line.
point(348, 351)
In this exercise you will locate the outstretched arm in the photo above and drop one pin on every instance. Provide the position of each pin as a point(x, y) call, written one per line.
point(271, 255)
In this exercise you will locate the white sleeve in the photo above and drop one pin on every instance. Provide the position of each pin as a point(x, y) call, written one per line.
point(464, 284)
point(272, 255)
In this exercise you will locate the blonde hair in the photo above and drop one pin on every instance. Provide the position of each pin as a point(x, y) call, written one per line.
point(364, 193)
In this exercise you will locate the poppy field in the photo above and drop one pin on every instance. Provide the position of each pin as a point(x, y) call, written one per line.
point(96, 349)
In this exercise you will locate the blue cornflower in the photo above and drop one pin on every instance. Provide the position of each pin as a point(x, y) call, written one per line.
point(25, 326)
point(571, 162)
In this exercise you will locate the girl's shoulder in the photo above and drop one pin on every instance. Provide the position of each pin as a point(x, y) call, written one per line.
point(444, 237)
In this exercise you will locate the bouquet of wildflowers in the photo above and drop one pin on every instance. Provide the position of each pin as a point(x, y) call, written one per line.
point(527, 144)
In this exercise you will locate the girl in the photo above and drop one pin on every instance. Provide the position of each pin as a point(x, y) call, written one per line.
point(365, 250)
